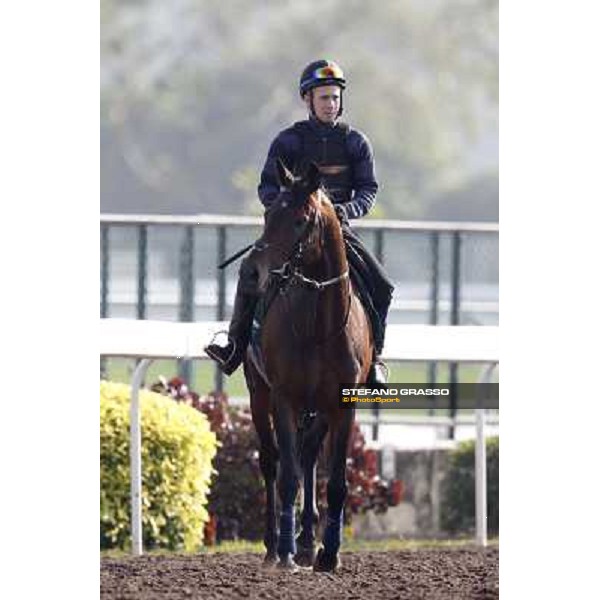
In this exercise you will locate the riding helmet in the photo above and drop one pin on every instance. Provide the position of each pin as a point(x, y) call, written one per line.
point(319, 73)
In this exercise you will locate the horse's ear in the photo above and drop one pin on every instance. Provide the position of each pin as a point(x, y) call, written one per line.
point(286, 179)
point(313, 177)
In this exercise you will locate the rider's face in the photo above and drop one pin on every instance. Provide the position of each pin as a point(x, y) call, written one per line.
point(326, 100)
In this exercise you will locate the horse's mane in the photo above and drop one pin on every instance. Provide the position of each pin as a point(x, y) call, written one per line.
point(328, 209)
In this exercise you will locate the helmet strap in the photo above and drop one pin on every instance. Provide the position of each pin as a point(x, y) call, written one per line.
point(312, 106)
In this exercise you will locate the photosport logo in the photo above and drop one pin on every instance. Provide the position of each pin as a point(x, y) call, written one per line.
point(421, 395)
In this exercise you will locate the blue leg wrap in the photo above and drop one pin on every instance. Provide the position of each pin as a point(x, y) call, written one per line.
point(332, 538)
point(287, 531)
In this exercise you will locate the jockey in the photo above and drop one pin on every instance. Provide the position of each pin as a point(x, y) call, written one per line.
point(345, 160)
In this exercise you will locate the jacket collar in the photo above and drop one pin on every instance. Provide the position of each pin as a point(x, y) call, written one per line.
point(320, 127)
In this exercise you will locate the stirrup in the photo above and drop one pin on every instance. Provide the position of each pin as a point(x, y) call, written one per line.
point(378, 365)
point(379, 361)
point(218, 359)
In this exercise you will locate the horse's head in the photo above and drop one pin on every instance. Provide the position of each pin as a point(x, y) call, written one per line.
point(295, 223)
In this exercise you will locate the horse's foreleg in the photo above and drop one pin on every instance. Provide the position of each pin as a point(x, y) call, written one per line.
point(337, 489)
point(312, 441)
point(268, 466)
point(268, 457)
point(288, 483)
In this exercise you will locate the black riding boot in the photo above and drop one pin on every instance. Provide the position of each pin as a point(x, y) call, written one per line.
point(378, 374)
point(377, 295)
point(230, 356)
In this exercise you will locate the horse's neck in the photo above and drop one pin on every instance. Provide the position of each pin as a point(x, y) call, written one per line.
point(334, 253)
point(324, 311)
point(333, 260)
point(335, 265)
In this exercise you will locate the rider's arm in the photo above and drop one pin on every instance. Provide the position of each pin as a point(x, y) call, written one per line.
point(284, 146)
point(365, 184)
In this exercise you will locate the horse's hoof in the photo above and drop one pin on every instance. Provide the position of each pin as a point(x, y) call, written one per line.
point(287, 563)
point(270, 561)
point(326, 563)
point(305, 556)
point(305, 559)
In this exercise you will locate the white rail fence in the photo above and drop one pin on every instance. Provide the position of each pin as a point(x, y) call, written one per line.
point(149, 340)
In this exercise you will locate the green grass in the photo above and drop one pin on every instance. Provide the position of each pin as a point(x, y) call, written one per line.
point(243, 546)
point(355, 545)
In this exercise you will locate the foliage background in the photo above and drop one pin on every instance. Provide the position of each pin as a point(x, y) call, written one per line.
point(177, 452)
point(458, 504)
point(237, 502)
point(192, 93)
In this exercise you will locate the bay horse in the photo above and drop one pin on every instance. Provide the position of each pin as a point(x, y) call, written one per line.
point(315, 336)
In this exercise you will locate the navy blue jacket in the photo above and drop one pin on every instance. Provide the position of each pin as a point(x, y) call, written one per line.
point(287, 146)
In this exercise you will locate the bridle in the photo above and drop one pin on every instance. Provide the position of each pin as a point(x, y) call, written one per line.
point(290, 270)
point(290, 273)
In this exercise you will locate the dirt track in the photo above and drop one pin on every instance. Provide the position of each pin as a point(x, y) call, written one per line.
point(424, 573)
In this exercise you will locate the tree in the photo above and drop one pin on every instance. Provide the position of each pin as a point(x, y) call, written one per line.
point(193, 92)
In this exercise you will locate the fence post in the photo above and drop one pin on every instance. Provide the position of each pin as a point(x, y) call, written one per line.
point(104, 274)
point(135, 457)
point(186, 295)
point(434, 297)
point(454, 320)
point(221, 292)
point(142, 271)
point(142, 275)
point(379, 257)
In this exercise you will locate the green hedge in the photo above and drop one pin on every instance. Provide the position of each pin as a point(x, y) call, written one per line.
point(458, 496)
point(177, 452)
